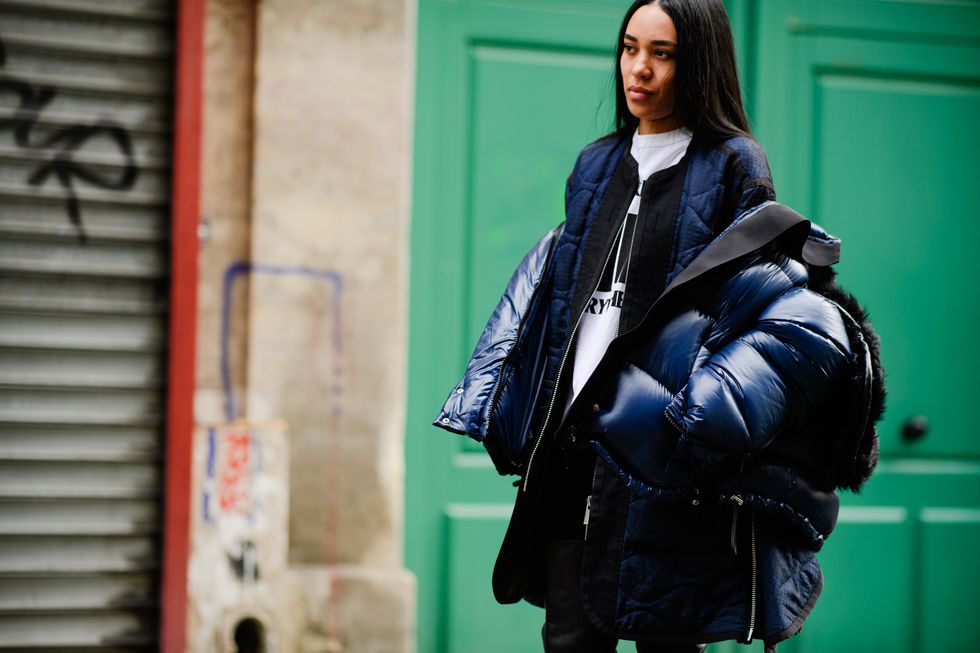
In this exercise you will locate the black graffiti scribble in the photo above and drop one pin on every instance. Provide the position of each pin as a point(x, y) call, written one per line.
point(244, 563)
point(62, 144)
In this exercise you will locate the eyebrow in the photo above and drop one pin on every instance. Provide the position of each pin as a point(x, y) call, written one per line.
point(633, 38)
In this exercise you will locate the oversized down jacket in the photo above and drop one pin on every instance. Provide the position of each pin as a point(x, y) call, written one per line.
point(747, 393)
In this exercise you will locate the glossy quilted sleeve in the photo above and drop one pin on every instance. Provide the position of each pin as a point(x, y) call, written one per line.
point(464, 411)
point(761, 380)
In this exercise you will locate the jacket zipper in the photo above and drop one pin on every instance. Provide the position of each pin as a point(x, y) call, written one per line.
point(672, 422)
point(571, 338)
point(754, 581)
point(561, 367)
point(737, 503)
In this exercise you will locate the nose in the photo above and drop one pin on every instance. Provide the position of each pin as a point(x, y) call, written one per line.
point(642, 68)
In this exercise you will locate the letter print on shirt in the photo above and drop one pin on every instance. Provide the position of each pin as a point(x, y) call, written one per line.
point(600, 322)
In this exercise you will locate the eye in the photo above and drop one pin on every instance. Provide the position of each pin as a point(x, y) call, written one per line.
point(627, 47)
point(662, 54)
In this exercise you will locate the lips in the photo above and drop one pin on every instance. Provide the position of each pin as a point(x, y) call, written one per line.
point(638, 93)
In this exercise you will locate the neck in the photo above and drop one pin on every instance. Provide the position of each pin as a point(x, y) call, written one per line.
point(659, 125)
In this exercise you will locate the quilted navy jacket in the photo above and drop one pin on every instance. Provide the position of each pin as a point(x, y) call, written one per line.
point(744, 390)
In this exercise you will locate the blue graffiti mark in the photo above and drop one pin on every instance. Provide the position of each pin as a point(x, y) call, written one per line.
point(241, 268)
point(209, 474)
point(206, 507)
point(211, 453)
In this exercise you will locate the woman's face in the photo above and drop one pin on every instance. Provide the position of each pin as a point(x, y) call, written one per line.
point(648, 65)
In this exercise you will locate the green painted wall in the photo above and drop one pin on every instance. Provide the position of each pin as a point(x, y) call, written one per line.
point(868, 112)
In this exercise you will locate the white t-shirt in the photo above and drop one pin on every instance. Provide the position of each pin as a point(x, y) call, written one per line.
point(600, 322)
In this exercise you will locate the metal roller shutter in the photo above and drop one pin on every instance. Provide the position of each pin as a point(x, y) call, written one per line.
point(85, 104)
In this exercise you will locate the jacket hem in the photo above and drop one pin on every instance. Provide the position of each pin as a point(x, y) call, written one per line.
point(797, 624)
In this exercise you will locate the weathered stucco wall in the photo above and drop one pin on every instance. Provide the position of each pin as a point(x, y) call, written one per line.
point(327, 336)
point(226, 198)
point(304, 260)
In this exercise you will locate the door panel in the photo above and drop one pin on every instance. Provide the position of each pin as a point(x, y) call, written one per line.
point(875, 546)
point(475, 622)
point(507, 95)
point(867, 110)
point(950, 535)
point(909, 245)
point(530, 107)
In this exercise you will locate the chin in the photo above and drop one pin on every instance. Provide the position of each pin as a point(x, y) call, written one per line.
point(644, 113)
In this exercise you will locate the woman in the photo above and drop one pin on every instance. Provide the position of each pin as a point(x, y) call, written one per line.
point(673, 373)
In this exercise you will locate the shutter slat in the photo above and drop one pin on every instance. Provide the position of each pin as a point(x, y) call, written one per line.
point(77, 442)
point(82, 47)
point(82, 295)
point(133, 261)
point(103, 333)
point(143, 11)
point(107, 161)
point(46, 517)
point(75, 593)
point(74, 554)
point(80, 369)
point(95, 631)
point(53, 193)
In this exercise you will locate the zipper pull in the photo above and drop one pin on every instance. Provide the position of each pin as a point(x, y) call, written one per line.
point(737, 502)
point(634, 208)
point(588, 512)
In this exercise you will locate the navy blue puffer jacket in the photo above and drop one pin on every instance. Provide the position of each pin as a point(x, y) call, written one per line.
point(740, 390)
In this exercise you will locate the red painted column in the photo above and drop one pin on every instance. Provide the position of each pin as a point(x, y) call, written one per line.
point(183, 322)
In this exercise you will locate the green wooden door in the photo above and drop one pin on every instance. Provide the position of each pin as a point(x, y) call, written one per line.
point(507, 93)
point(869, 112)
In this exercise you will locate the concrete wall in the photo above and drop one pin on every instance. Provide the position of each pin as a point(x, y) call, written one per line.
point(304, 262)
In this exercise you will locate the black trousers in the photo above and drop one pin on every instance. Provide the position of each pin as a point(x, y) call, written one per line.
point(567, 628)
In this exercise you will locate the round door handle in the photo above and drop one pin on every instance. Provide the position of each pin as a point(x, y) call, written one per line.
point(915, 428)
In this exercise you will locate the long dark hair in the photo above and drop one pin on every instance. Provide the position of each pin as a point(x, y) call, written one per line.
point(707, 96)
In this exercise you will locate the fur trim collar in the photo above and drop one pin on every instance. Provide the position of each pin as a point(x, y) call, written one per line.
point(855, 445)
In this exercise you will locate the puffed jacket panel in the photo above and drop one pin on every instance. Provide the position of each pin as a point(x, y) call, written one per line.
point(754, 356)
